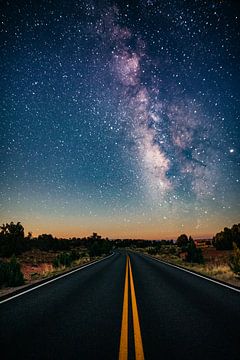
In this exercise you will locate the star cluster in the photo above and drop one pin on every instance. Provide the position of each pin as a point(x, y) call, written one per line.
point(120, 117)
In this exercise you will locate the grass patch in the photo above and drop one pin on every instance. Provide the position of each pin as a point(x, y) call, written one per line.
point(216, 266)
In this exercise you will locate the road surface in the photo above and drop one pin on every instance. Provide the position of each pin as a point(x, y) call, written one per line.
point(127, 306)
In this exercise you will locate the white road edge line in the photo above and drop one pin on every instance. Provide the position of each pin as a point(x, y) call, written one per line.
point(55, 279)
point(193, 273)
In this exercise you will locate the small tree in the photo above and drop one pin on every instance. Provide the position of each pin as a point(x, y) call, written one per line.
point(223, 240)
point(11, 239)
point(236, 234)
point(234, 261)
point(10, 273)
point(194, 255)
point(15, 276)
point(182, 241)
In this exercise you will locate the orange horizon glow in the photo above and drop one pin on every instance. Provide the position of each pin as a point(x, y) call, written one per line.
point(116, 227)
point(144, 235)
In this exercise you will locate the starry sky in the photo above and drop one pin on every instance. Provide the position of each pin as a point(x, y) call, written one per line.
point(120, 117)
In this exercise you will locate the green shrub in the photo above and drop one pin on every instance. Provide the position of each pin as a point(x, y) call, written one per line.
point(56, 262)
point(152, 251)
point(99, 248)
point(234, 261)
point(66, 259)
point(10, 273)
point(182, 241)
point(11, 239)
point(194, 255)
point(224, 240)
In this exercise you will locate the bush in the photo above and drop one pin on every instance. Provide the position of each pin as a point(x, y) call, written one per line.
point(47, 242)
point(11, 239)
point(66, 259)
point(194, 255)
point(63, 259)
point(152, 251)
point(234, 261)
point(10, 273)
point(99, 247)
point(224, 240)
point(182, 241)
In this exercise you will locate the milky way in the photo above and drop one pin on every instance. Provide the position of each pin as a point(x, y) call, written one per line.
point(120, 118)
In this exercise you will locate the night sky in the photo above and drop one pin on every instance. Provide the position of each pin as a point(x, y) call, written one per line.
point(120, 118)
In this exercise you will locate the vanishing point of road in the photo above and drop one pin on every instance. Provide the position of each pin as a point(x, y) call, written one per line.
point(126, 306)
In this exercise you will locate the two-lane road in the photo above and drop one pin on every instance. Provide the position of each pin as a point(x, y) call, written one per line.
point(123, 307)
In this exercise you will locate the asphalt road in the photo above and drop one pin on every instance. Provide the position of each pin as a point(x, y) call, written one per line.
point(154, 312)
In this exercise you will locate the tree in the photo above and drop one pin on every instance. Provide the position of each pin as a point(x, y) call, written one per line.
point(47, 242)
point(223, 240)
point(10, 273)
point(182, 241)
point(194, 255)
point(11, 239)
point(29, 235)
point(236, 234)
point(98, 246)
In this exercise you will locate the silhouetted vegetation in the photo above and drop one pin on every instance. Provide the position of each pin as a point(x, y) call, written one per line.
point(182, 241)
point(66, 259)
point(98, 246)
point(139, 243)
point(165, 248)
point(234, 261)
point(10, 273)
point(11, 239)
point(13, 242)
point(194, 254)
point(224, 240)
point(187, 245)
point(154, 250)
point(47, 242)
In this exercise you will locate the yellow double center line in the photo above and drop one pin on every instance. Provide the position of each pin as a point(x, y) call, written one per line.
point(123, 350)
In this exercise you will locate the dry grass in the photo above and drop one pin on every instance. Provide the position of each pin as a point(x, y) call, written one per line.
point(216, 265)
point(36, 265)
point(220, 271)
point(43, 270)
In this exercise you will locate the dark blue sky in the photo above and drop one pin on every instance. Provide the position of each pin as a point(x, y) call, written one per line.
point(121, 118)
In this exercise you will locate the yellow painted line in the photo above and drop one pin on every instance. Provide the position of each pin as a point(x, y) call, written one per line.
point(139, 354)
point(123, 350)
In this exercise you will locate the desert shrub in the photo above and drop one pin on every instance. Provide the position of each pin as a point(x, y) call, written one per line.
point(47, 242)
point(99, 247)
point(182, 241)
point(56, 262)
point(152, 251)
point(194, 255)
point(66, 259)
point(63, 259)
point(224, 239)
point(170, 250)
point(95, 249)
point(167, 249)
point(74, 255)
point(234, 261)
point(11, 239)
point(10, 273)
